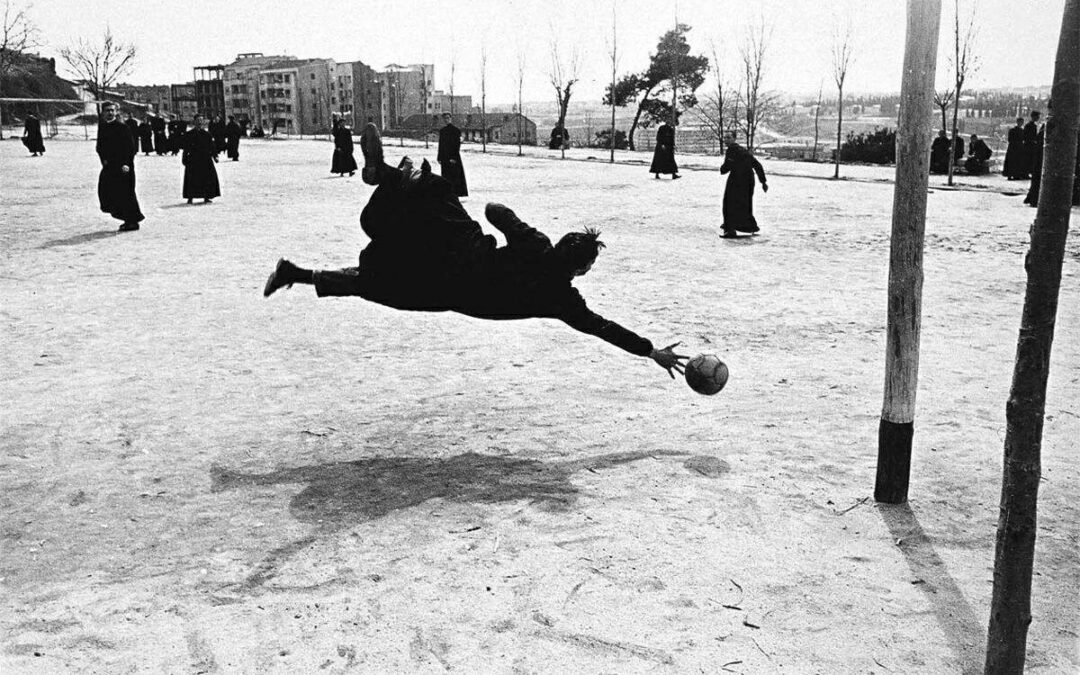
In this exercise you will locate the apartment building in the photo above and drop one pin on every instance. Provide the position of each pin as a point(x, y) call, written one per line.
point(241, 85)
point(356, 94)
point(406, 90)
point(295, 96)
point(210, 91)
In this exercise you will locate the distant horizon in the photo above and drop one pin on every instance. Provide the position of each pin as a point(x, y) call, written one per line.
point(1012, 44)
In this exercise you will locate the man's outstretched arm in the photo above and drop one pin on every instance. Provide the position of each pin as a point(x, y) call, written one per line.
point(581, 318)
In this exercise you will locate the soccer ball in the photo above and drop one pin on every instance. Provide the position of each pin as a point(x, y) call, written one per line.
point(706, 374)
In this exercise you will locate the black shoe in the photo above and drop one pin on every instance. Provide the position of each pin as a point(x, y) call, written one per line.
point(371, 146)
point(128, 227)
point(500, 216)
point(676, 177)
point(729, 234)
point(281, 276)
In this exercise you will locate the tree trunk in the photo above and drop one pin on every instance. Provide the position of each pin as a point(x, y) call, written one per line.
point(817, 118)
point(839, 124)
point(1010, 605)
point(637, 116)
point(944, 116)
point(897, 425)
point(955, 137)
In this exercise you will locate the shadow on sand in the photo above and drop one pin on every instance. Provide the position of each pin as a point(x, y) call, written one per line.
point(342, 494)
point(80, 239)
point(345, 493)
point(957, 619)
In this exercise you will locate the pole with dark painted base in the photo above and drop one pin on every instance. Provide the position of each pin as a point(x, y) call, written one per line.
point(896, 430)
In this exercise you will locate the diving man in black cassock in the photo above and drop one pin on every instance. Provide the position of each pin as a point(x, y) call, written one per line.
point(116, 183)
point(450, 156)
point(427, 254)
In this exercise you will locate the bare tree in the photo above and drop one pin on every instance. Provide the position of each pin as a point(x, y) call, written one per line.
point(1014, 551)
point(965, 63)
point(944, 99)
point(520, 86)
point(563, 77)
point(99, 64)
point(483, 94)
point(715, 111)
point(842, 54)
point(753, 52)
point(614, 67)
point(17, 34)
point(453, 70)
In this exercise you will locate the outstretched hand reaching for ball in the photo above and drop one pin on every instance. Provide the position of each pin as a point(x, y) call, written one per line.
point(668, 359)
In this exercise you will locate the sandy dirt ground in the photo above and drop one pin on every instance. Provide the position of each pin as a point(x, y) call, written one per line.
point(194, 479)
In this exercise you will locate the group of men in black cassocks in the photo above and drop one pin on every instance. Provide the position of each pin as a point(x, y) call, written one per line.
point(31, 137)
point(939, 152)
point(1020, 155)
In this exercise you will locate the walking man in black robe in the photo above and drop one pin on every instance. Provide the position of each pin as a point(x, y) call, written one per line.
point(427, 254)
point(233, 132)
point(343, 161)
point(739, 191)
point(116, 183)
point(450, 156)
point(200, 154)
point(31, 137)
point(663, 160)
point(1015, 168)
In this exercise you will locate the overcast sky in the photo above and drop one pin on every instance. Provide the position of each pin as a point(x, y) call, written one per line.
point(1016, 39)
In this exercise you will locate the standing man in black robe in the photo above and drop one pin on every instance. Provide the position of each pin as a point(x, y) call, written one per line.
point(739, 191)
point(939, 153)
point(1032, 198)
point(200, 154)
point(233, 132)
point(343, 161)
point(1015, 167)
point(217, 132)
point(450, 156)
point(116, 183)
point(133, 126)
point(663, 160)
point(31, 137)
point(157, 124)
point(146, 137)
point(177, 129)
point(1031, 139)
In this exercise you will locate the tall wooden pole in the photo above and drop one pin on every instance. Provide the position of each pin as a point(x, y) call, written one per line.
point(1010, 605)
point(897, 426)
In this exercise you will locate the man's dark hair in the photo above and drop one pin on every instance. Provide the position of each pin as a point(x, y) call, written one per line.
point(1035, 113)
point(578, 250)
